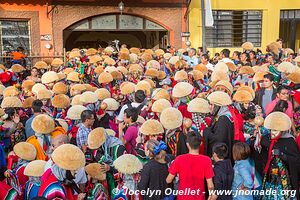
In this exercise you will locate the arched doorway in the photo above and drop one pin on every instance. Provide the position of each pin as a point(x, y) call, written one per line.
point(128, 29)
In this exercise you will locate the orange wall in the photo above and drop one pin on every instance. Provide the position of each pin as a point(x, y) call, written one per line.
point(45, 23)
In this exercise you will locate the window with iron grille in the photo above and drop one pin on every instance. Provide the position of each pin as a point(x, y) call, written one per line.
point(233, 28)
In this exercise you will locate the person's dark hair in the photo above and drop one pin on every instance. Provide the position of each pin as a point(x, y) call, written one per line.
point(139, 96)
point(281, 106)
point(37, 106)
point(10, 112)
point(247, 56)
point(205, 56)
point(217, 54)
point(240, 151)
point(282, 87)
point(279, 40)
point(20, 49)
point(86, 114)
point(226, 53)
point(193, 139)
point(250, 112)
point(132, 113)
point(269, 76)
point(237, 53)
point(221, 150)
point(268, 55)
point(253, 52)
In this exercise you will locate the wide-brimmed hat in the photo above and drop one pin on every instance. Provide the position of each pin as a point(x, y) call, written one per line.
point(35, 168)
point(49, 77)
point(202, 68)
point(88, 97)
point(160, 93)
point(173, 60)
point(95, 58)
point(44, 94)
point(91, 52)
point(27, 85)
point(153, 64)
point(247, 46)
point(96, 138)
point(242, 96)
point(198, 105)
point(17, 68)
point(160, 104)
point(197, 75)
point(246, 70)
point(286, 67)
point(68, 157)
point(221, 67)
point(161, 75)
point(110, 132)
point(41, 65)
point(25, 151)
point(102, 93)
point(144, 86)
point(56, 62)
point(159, 52)
point(152, 72)
point(73, 76)
point(95, 171)
point(75, 111)
point(135, 50)
point(274, 47)
point(133, 58)
point(123, 70)
point(259, 76)
point(225, 84)
point(10, 91)
point(128, 164)
point(294, 77)
point(152, 127)
point(167, 56)
point(278, 121)
point(105, 77)
point(127, 88)
point(60, 101)
point(171, 118)
point(248, 89)
point(109, 61)
point(218, 76)
point(181, 76)
point(27, 103)
point(43, 124)
point(37, 87)
point(219, 98)
point(231, 66)
point(135, 68)
point(11, 102)
point(260, 68)
point(112, 104)
point(60, 88)
point(68, 70)
point(76, 100)
point(77, 89)
point(182, 89)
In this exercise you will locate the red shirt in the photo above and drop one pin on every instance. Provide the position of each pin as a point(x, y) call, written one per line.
point(192, 171)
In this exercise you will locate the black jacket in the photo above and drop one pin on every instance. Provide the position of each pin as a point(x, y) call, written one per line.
point(259, 96)
point(223, 177)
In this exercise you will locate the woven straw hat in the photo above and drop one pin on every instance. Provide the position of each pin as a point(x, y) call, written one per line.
point(27, 85)
point(262, 68)
point(242, 96)
point(17, 68)
point(102, 93)
point(247, 46)
point(35, 168)
point(151, 72)
point(41, 65)
point(173, 60)
point(105, 77)
point(123, 70)
point(278, 121)
point(135, 68)
point(151, 127)
point(219, 98)
point(88, 97)
point(110, 69)
point(274, 47)
point(49, 77)
point(27, 103)
point(44, 94)
point(144, 86)
point(128, 164)
point(60, 88)
point(76, 100)
point(286, 67)
point(37, 87)
point(110, 132)
point(99, 69)
point(225, 84)
point(246, 70)
point(202, 68)
point(109, 50)
point(73, 76)
point(77, 89)
point(109, 61)
point(198, 105)
point(159, 52)
point(56, 62)
point(171, 118)
point(160, 93)
point(218, 76)
point(160, 104)
point(135, 50)
point(182, 89)
point(112, 104)
point(294, 77)
point(11, 102)
point(63, 124)
point(123, 55)
point(248, 89)
point(117, 75)
point(181, 76)
point(161, 75)
point(221, 67)
point(60, 101)
point(25, 151)
point(75, 111)
point(43, 124)
point(167, 56)
point(259, 76)
point(149, 51)
point(197, 75)
point(95, 171)
point(90, 87)
point(153, 64)
point(91, 52)
point(127, 88)
point(95, 58)
point(96, 138)
point(10, 91)
point(133, 58)
point(181, 64)
point(232, 67)
point(68, 70)
point(68, 157)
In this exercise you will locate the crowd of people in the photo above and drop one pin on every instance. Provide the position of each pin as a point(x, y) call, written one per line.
point(152, 124)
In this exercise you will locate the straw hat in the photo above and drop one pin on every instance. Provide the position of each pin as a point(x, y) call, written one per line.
point(286, 67)
point(153, 64)
point(63, 124)
point(95, 58)
point(44, 94)
point(171, 118)
point(151, 72)
point(10, 91)
point(149, 51)
point(232, 67)
point(96, 138)
point(259, 76)
point(74, 54)
point(144, 86)
point(37, 87)
point(297, 59)
point(56, 62)
point(221, 67)
point(91, 52)
point(49, 77)
point(3, 67)
point(182, 89)
point(135, 50)
point(274, 47)
point(75, 111)
point(17, 68)
point(219, 98)
point(167, 56)
point(25, 151)
point(198, 105)
point(77, 89)
point(68, 157)
point(247, 46)
point(160, 93)
point(11, 102)
point(109, 50)
point(61, 76)
point(127, 88)
point(110, 69)
point(2, 88)
point(225, 84)
point(135, 68)
point(88, 97)
point(95, 171)
point(73, 76)
point(60, 101)
point(160, 104)
point(197, 75)
point(112, 104)
point(242, 96)
point(161, 75)
point(28, 102)
point(102, 93)
point(140, 120)
point(60, 88)
point(202, 68)
point(117, 75)
point(41, 65)
point(123, 70)
point(278, 121)
point(128, 164)
point(110, 132)
point(159, 52)
point(294, 77)
point(181, 64)
point(35, 168)
point(151, 127)
point(181, 76)
point(288, 51)
point(76, 100)
point(133, 58)
point(43, 124)
point(248, 89)
point(173, 60)
point(105, 77)
point(262, 68)
point(109, 61)
point(218, 76)
point(68, 70)
point(124, 55)
point(246, 70)
point(99, 69)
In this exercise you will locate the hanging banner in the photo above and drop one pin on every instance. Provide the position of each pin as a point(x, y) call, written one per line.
point(209, 19)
